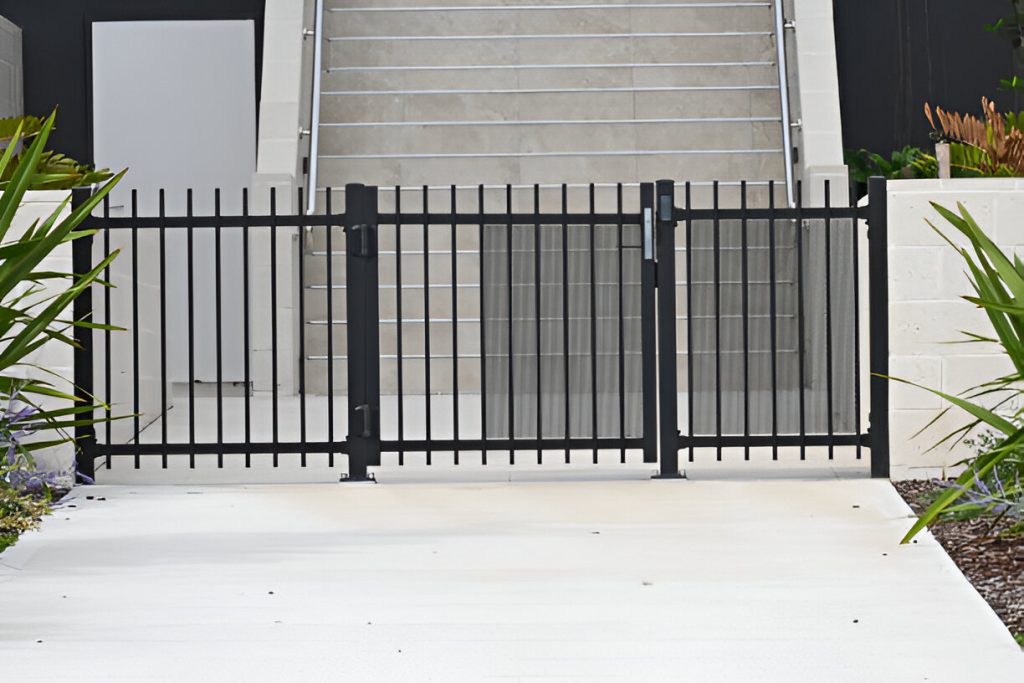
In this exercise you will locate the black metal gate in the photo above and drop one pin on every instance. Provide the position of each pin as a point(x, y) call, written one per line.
point(513, 330)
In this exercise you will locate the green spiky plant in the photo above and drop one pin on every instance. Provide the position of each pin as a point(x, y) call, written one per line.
point(35, 303)
point(998, 282)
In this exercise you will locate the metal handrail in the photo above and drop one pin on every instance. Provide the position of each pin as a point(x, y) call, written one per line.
point(787, 141)
point(314, 115)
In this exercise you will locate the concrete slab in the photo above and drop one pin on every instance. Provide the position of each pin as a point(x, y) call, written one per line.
point(531, 581)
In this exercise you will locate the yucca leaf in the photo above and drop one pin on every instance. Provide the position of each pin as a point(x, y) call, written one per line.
point(982, 466)
point(981, 413)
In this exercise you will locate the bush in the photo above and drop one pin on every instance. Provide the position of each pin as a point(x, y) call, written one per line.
point(19, 512)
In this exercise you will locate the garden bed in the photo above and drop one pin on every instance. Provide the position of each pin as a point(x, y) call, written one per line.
point(993, 563)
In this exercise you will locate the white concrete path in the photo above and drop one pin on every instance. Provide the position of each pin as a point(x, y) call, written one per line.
point(527, 581)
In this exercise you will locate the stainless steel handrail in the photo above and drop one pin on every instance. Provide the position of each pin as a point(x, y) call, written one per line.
point(314, 115)
point(787, 139)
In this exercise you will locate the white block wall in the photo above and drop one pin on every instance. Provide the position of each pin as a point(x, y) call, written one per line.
point(926, 281)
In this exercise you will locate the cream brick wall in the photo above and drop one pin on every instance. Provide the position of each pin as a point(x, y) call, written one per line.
point(926, 281)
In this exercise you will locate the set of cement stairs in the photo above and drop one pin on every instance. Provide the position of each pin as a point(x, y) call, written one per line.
point(430, 92)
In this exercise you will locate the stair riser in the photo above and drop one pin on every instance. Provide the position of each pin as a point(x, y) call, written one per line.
point(505, 21)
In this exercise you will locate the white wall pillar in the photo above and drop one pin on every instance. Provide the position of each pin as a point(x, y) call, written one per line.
point(819, 137)
point(284, 112)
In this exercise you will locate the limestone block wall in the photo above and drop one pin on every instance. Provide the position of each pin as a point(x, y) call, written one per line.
point(926, 281)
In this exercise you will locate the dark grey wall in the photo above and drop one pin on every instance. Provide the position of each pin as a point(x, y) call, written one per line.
point(56, 51)
point(895, 55)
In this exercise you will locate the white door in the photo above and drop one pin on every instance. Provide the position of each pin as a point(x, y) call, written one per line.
point(175, 102)
point(11, 99)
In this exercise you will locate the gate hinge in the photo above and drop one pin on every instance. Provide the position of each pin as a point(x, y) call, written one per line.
point(362, 240)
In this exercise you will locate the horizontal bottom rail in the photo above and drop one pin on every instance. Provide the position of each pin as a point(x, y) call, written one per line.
point(213, 448)
point(766, 441)
point(604, 443)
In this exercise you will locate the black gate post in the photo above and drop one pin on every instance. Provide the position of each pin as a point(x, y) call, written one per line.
point(363, 330)
point(668, 397)
point(878, 302)
point(81, 309)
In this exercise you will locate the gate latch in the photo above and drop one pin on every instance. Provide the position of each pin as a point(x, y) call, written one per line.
point(362, 240)
point(367, 413)
point(648, 251)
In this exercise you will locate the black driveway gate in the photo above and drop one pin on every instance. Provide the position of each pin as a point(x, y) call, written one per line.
point(502, 328)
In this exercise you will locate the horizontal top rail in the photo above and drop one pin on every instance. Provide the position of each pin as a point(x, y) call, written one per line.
point(442, 219)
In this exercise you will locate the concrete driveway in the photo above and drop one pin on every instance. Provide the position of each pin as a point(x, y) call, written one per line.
point(526, 581)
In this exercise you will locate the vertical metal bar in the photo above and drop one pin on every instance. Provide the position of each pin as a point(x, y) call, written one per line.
point(455, 329)
point(716, 238)
point(745, 296)
point(649, 326)
point(426, 322)
point(191, 338)
point(302, 340)
point(773, 323)
point(246, 369)
point(330, 317)
point(565, 323)
point(667, 352)
point(801, 354)
point(690, 398)
point(483, 335)
point(593, 323)
point(828, 317)
point(163, 332)
point(622, 332)
point(135, 325)
point(398, 315)
point(218, 327)
point(854, 228)
point(107, 319)
point(878, 322)
point(511, 328)
point(85, 432)
point(275, 427)
point(537, 316)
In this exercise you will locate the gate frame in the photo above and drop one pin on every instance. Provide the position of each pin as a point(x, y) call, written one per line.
point(658, 220)
point(876, 436)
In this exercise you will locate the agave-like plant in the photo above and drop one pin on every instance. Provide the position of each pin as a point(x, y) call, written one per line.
point(34, 302)
point(998, 283)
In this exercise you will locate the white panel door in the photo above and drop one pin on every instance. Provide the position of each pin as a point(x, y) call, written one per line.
point(175, 102)
point(11, 78)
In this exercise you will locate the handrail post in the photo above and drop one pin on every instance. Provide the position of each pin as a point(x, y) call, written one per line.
point(878, 302)
point(787, 136)
point(314, 112)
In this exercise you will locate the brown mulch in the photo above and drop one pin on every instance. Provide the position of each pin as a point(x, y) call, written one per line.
point(993, 564)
